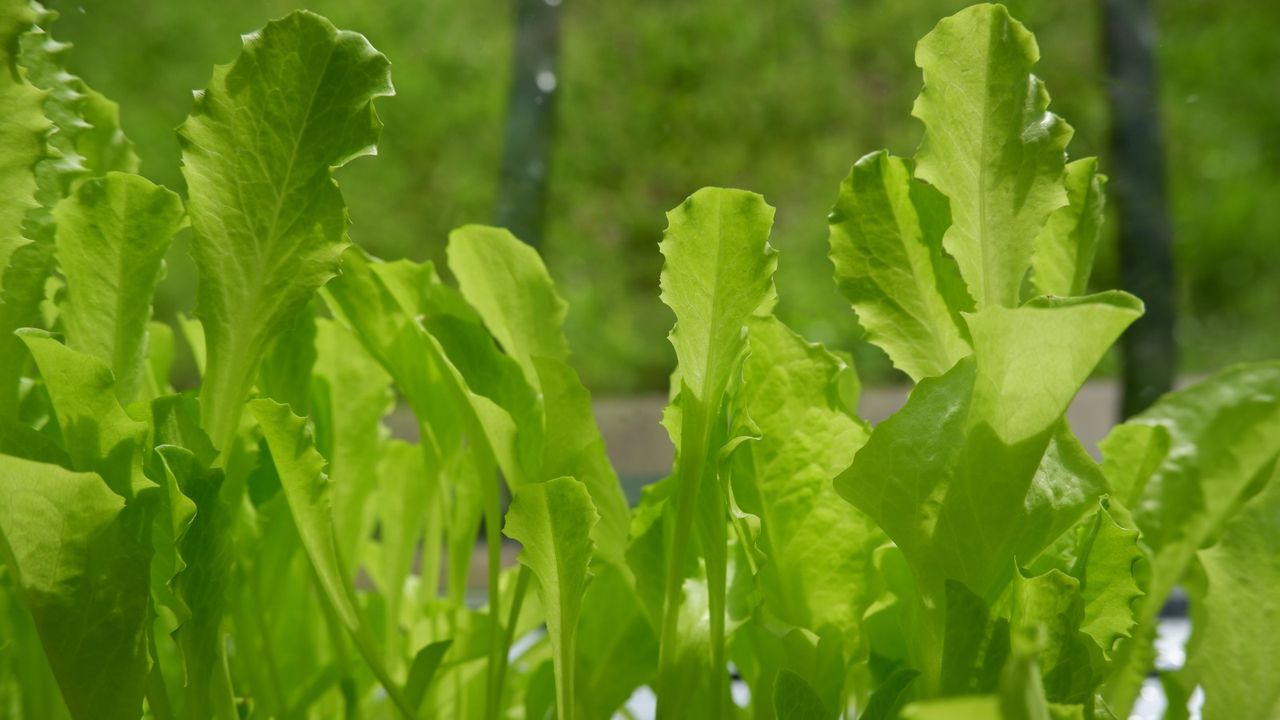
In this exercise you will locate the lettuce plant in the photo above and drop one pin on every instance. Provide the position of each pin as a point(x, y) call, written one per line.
point(264, 546)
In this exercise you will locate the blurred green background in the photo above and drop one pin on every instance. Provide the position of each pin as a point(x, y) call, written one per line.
point(657, 98)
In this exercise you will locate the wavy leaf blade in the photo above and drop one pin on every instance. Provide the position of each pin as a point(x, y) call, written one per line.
point(111, 237)
point(990, 417)
point(270, 224)
point(1065, 249)
point(990, 146)
point(886, 244)
point(718, 272)
point(818, 568)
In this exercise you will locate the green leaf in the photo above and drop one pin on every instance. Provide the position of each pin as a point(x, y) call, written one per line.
point(83, 574)
point(818, 569)
point(401, 497)
point(159, 358)
point(975, 644)
point(29, 184)
point(258, 151)
point(103, 144)
point(1105, 568)
point(1234, 654)
point(890, 696)
point(1065, 249)
point(1212, 446)
point(285, 372)
point(622, 647)
point(718, 272)
point(22, 135)
point(990, 146)
point(886, 244)
point(795, 699)
point(425, 664)
point(509, 286)
point(350, 393)
point(948, 476)
point(307, 488)
point(1223, 432)
point(202, 584)
point(552, 521)
point(506, 282)
point(112, 234)
point(98, 434)
point(573, 446)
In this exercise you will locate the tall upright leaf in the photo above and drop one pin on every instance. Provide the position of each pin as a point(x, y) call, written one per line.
point(83, 574)
point(886, 245)
point(552, 521)
point(258, 152)
point(508, 284)
point(990, 146)
point(111, 237)
point(718, 273)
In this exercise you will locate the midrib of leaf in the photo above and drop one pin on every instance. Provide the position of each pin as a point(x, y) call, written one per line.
point(987, 291)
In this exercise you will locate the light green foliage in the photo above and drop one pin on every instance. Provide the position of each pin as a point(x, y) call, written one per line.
point(308, 489)
point(112, 234)
point(978, 435)
point(1234, 653)
point(269, 222)
point(349, 396)
point(506, 282)
point(21, 135)
point(82, 574)
point(165, 557)
point(552, 521)
point(98, 434)
point(1065, 248)
point(66, 142)
point(818, 568)
point(886, 245)
point(718, 273)
point(1188, 464)
point(990, 146)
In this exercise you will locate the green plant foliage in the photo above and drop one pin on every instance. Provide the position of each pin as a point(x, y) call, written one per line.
point(290, 540)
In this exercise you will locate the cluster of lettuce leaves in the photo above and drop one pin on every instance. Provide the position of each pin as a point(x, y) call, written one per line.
point(265, 548)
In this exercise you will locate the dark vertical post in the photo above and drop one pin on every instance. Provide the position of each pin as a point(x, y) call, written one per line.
point(1138, 177)
point(521, 203)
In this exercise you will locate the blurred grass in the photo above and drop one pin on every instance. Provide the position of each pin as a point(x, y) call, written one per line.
point(660, 97)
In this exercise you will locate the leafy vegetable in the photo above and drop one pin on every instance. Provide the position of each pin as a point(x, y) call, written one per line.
point(165, 557)
point(269, 222)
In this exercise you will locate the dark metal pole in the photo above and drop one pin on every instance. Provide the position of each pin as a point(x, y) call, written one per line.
point(1138, 177)
point(521, 203)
